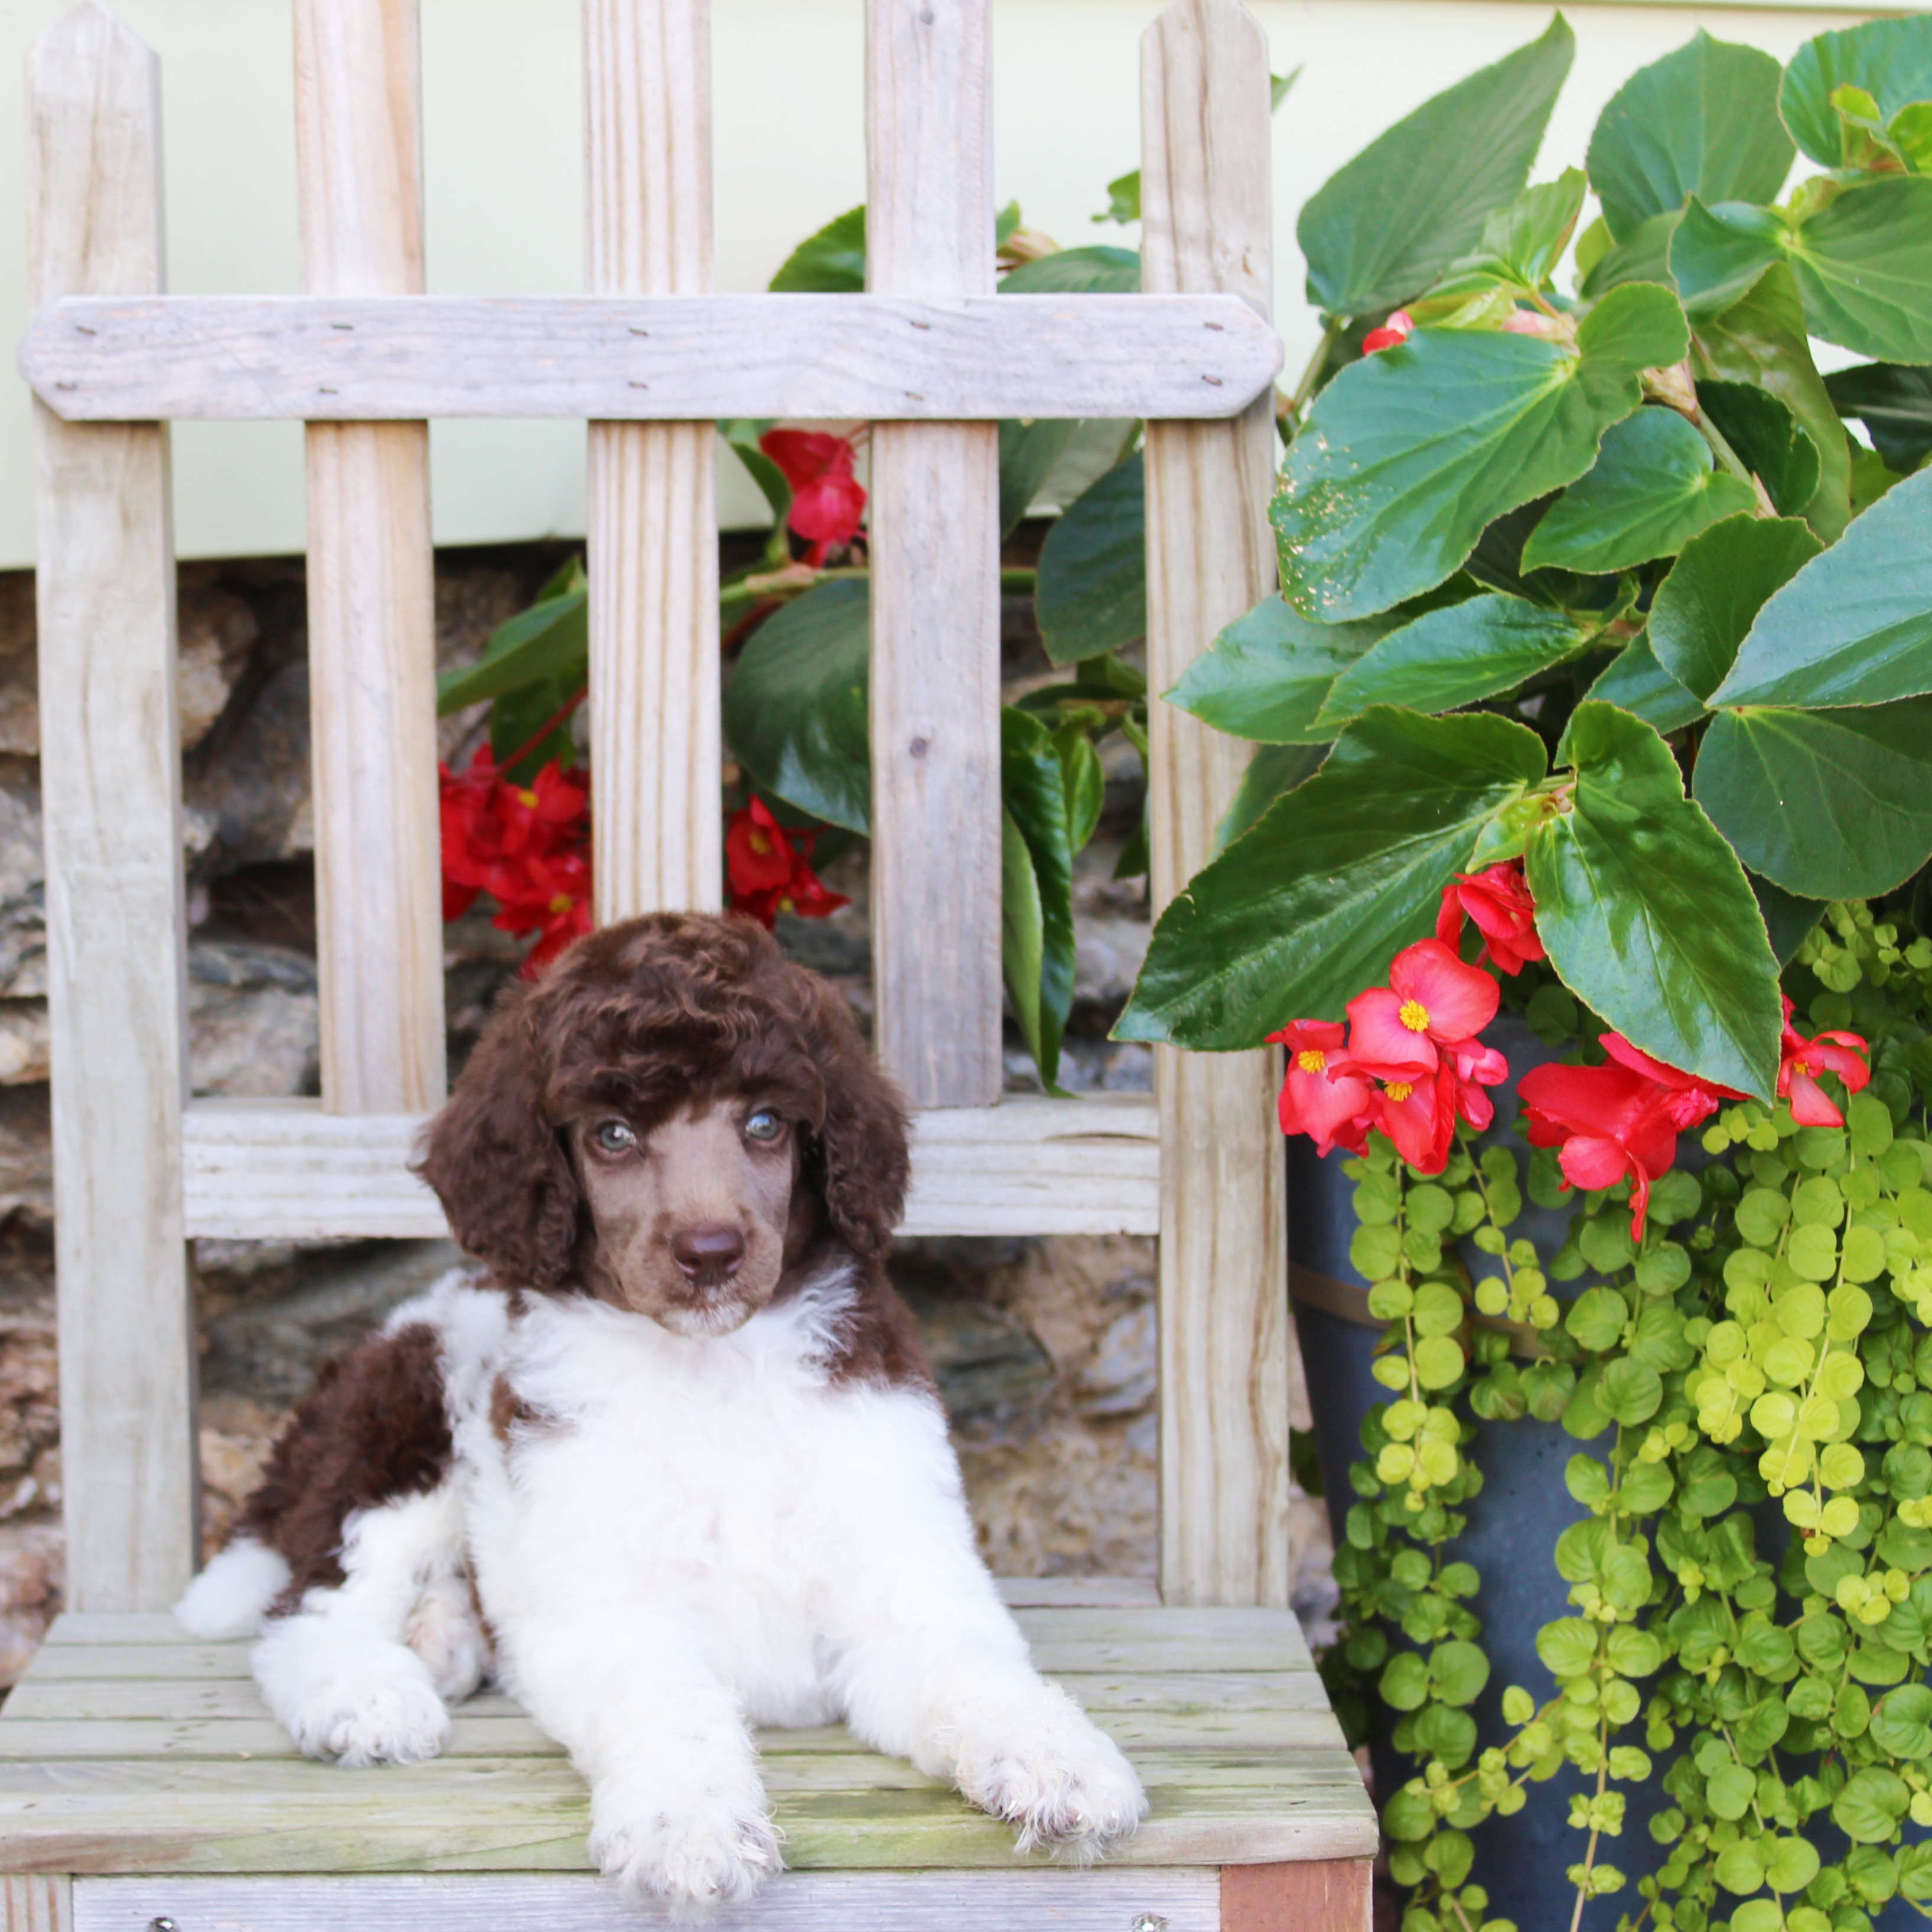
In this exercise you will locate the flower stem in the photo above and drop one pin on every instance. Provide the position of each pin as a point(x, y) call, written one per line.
point(544, 731)
point(1290, 412)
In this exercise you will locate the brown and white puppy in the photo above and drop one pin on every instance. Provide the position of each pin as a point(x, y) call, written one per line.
point(680, 1441)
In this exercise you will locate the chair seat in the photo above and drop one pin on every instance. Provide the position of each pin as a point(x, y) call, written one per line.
point(129, 1747)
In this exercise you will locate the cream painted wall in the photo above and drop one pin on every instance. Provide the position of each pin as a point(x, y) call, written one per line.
point(502, 123)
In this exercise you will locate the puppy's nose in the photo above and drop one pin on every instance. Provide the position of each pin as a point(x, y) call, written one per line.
point(708, 1254)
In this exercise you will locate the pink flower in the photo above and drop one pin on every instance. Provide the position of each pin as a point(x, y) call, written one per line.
point(1498, 899)
point(828, 501)
point(1475, 1067)
point(1686, 1098)
point(1847, 1054)
point(1393, 331)
point(1433, 1000)
point(1608, 1123)
point(1419, 1115)
point(1334, 1110)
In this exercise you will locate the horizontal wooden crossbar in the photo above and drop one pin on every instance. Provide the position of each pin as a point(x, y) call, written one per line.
point(104, 358)
point(284, 1170)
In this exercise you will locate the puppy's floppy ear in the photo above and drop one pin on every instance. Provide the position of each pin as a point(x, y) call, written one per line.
point(863, 1161)
point(498, 1165)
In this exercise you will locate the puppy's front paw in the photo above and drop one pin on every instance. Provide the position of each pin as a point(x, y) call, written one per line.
point(1049, 1771)
point(696, 1849)
point(396, 1720)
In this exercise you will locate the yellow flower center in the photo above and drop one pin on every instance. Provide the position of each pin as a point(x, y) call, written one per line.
point(759, 843)
point(1400, 1092)
point(562, 903)
point(529, 798)
point(1311, 1060)
point(1415, 1016)
point(787, 904)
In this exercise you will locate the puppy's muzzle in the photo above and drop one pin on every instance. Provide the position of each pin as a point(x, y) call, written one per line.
point(708, 1256)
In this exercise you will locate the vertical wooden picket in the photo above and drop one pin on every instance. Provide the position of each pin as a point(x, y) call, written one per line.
point(111, 792)
point(652, 551)
point(371, 581)
point(1225, 1340)
point(935, 532)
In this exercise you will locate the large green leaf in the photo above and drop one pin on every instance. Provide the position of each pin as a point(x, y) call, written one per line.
point(1703, 609)
point(1637, 683)
point(1855, 625)
point(1788, 919)
point(1827, 804)
point(1093, 270)
point(1453, 656)
point(1028, 451)
point(1761, 338)
point(549, 641)
point(1655, 485)
point(833, 262)
point(1409, 454)
point(1646, 913)
point(1273, 770)
point(1386, 224)
point(1092, 592)
point(1863, 265)
point(1304, 910)
point(1769, 440)
point(1894, 401)
point(1523, 242)
point(1702, 121)
point(795, 704)
point(1645, 257)
point(1891, 60)
point(1718, 251)
point(1037, 929)
point(1268, 674)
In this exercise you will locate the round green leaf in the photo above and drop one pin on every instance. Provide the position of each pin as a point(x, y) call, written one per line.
point(1646, 913)
point(1438, 1361)
point(1654, 486)
point(1568, 1647)
point(1597, 1317)
point(1405, 1683)
point(1827, 804)
point(1459, 1670)
point(1631, 1392)
point(1891, 60)
point(1901, 1722)
point(1869, 1807)
point(1705, 607)
point(1730, 1789)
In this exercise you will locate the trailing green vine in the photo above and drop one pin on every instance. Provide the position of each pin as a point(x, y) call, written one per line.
point(1755, 1371)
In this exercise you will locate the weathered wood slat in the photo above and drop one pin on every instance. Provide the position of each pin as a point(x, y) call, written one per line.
point(887, 357)
point(36, 1902)
point(371, 588)
point(1226, 1339)
point(1069, 1901)
point(651, 507)
point(285, 1169)
point(111, 794)
point(935, 548)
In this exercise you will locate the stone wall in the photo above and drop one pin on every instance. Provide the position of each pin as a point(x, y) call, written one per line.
point(1044, 1349)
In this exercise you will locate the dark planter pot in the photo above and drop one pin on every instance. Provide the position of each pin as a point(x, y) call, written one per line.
point(1514, 1523)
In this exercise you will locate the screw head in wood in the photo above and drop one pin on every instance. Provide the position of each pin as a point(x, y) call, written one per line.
point(163, 1925)
point(1150, 1921)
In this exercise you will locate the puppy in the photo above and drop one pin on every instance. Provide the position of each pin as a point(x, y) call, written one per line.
point(676, 1452)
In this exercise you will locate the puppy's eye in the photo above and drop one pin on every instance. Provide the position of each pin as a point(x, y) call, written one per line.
point(764, 1125)
point(614, 1137)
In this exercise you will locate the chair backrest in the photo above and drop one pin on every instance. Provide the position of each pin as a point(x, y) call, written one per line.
point(934, 358)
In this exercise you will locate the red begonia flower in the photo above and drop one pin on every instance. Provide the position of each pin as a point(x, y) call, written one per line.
point(769, 868)
point(1419, 1115)
point(1393, 331)
point(1608, 1123)
point(1498, 899)
point(1432, 1000)
point(1475, 1067)
point(1687, 1099)
point(827, 500)
point(1847, 1054)
point(1334, 1110)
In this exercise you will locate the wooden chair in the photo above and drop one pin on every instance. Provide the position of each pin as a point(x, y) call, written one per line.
point(141, 1782)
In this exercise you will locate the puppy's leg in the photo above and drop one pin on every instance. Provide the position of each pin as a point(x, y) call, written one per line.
point(933, 1667)
point(340, 1673)
point(677, 1809)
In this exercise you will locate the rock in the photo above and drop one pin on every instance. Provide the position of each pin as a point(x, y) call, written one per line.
point(32, 1567)
point(1118, 1377)
point(988, 1367)
point(19, 708)
point(26, 1153)
point(23, 1042)
point(237, 1435)
point(254, 1020)
point(251, 781)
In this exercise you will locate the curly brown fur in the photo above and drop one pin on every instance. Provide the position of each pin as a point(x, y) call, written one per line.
point(646, 1019)
point(374, 1429)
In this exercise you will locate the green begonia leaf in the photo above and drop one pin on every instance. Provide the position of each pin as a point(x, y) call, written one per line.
point(1891, 60)
point(1385, 225)
point(1091, 594)
point(1304, 910)
point(1787, 918)
point(1523, 242)
point(1655, 485)
point(1037, 948)
point(1827, 804)
point(550, 639)
point(833, 262)
point(1637, 683)
point(1718, 251)
point(1702, 121)
point(1855, 625)
point(1268, 674)
point(1028, 451)
point(1370, 514)
point(1646, 913)
point(1863, 267)
point(1645, 257)
point(1703, 609)
point(1453, 656)
point(1767, 439)
point(1273, 770)
point(1093, 270)
point(795, 704)
point(1894, 401)
point(1761, 339)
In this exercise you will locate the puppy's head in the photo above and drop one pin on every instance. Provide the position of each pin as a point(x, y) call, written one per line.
point(668, 1118)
